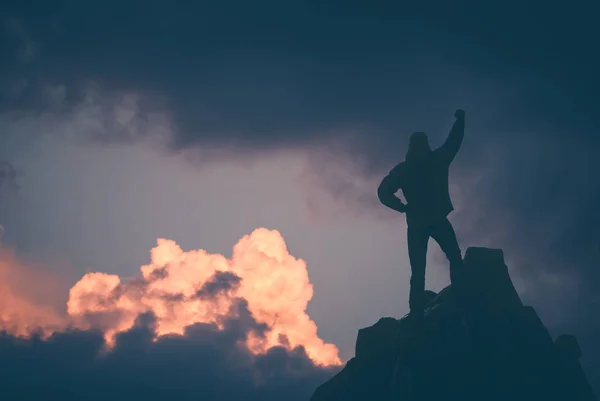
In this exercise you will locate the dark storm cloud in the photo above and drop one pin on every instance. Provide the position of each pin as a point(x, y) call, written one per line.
point(204, 364)
point(268, 74)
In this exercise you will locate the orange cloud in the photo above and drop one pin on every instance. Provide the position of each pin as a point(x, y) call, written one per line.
point(27, 298)
point(183, 288)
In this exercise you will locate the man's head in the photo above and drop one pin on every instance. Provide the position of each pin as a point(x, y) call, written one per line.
point(418, 145)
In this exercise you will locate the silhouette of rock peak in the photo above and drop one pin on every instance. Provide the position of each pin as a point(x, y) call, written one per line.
point(483, 345)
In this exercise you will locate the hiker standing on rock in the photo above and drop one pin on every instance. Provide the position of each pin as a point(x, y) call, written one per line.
point(423, 178)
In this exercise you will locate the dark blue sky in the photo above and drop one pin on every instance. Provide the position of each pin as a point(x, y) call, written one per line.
point(248, 80)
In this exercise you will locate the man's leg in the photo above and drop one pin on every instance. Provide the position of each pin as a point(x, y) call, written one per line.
point(443, 233)
point(418, 237)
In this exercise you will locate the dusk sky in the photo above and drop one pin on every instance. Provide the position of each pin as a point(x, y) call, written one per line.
point(128, 122)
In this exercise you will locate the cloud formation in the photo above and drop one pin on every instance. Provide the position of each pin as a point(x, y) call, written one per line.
point(28, 300)
point(207, 363)
point(194, 325)
point(183, 288)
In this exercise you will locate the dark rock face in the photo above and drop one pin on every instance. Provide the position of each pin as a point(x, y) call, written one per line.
point(479, 344)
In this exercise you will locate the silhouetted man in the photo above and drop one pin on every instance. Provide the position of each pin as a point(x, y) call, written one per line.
point(423, 178)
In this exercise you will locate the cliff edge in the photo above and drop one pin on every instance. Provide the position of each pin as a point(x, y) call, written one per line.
point(485, 346)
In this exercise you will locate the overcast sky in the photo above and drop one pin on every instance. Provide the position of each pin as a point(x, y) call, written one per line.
point(132, 121)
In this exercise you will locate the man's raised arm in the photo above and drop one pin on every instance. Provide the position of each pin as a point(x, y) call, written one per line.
point(450, 148)
point(386, 192)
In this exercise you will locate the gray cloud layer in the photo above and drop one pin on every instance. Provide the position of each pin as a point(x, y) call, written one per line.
point(204, 364)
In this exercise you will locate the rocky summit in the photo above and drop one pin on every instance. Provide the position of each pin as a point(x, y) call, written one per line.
point(479, 343)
